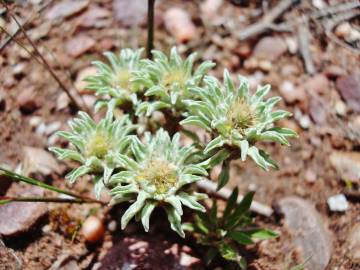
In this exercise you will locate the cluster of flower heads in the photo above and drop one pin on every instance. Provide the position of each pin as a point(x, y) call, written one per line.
point(152, 170)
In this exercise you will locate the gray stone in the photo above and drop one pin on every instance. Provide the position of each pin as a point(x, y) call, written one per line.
point(353, 244)
point(130, 13)
point(19, 217)
point(270, 48)
point(65, 262)
point(8, 259)
point(349, 88)
point(309, 232)
point(66, 9)
point(37, 160)
point(347, 165)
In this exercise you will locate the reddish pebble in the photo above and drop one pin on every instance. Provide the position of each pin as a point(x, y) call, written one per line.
point(179, 24)
point(93, 229)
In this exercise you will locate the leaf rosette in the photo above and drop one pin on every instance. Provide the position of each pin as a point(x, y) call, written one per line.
point(168, 80)
point(237, 118)
point(95, 146)
point(158, 175)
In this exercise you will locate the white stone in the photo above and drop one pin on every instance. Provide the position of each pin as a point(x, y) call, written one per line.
point(338, 203)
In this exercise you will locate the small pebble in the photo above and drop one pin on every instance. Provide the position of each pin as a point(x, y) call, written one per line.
point(178, 22)
point(340, 108)
point(112, 225)
point(93, 229)
point(338, 203)
point(310, 176)
point(343, 30)
point(52, 127)
point(35, 121)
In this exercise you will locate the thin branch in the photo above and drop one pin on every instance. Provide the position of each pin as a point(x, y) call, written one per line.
point(7, 199)
point(211, 187)
point(303, 39)
point(45, 62)
point(18, 177)
point(21, 45)
point(329, 25)
point(266, 21)
point(150, 28)
point(27, 21)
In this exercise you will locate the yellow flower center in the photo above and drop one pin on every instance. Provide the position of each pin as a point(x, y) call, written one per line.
point(175, 76)
point(241, 116)
point(98, 145)
point(159, 173)
point(122, 79)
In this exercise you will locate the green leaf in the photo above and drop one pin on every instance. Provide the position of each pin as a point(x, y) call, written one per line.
point(203, 223)
point(215, 143)
point(240, 237)
point(2, 202)
point(18, 177)
point(190, 201)
point(240, 210)
point(229, 253)
point(285, 132)
point(175, 220)
point(213, 212)
point(215, 159)
point(244, 146)
point(210, 255)
point(146, 213)
point(259, 160)
point(269, 161)
point(224, 175)
point(231, 203)
point(133, 209)
point(261, 234)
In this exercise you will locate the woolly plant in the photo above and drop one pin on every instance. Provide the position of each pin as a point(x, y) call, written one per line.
point(150, 170)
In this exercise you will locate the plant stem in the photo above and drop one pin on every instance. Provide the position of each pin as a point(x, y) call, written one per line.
point(150, 28)
point(34, 182)
point(6, 199)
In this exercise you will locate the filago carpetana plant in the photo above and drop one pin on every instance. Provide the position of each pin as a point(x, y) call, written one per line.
point(154, 168)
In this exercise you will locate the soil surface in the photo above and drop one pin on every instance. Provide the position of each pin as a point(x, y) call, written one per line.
point(325, 107)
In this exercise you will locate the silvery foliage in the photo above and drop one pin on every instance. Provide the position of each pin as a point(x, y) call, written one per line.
point(115, 82)
point(95, 146)
point(237, 118)
point(155, 170)
point(158, 174)
point(168, 79)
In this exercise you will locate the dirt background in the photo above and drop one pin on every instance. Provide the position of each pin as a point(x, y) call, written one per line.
point(31, 101)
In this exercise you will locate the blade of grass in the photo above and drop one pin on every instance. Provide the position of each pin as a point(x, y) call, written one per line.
point(5, 200)
point(34, 182)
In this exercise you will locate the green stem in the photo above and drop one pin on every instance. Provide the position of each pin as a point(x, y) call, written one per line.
point(34, 182)
point(6, 199)
point(150, 28)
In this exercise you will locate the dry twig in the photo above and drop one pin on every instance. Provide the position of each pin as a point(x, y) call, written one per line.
point(44, 62)
point(267, 20)
point(303, 40)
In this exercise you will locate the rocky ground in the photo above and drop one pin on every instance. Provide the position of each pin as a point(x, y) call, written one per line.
point(311, 59)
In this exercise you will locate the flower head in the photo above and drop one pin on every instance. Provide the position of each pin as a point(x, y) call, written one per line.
point(168, 80)
point(117, 80)
point(95, 146)
point(158, 175)
point(238, 118)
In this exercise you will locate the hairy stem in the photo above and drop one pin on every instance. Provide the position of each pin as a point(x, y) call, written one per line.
point(150, 29)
